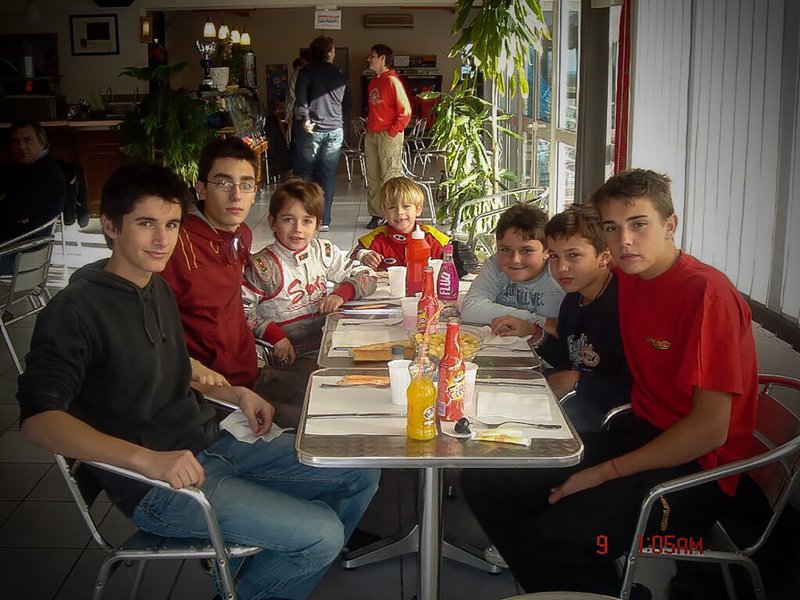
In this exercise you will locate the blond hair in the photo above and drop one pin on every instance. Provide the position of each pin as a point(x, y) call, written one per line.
point(397, 190)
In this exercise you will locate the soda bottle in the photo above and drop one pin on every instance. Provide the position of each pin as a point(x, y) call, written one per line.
point(452, 385)
point(447, 284)
point(428, 307)
point(421, 394)
point(418, 251)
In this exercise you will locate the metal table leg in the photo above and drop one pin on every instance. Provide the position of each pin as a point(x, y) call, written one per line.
point(430, 558)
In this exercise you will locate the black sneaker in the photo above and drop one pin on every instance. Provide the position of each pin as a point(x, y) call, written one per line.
point(374, 222)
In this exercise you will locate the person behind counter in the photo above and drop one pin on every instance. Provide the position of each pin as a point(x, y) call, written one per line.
point(32, 187)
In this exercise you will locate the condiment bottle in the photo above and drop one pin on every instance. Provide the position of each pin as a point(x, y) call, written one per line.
point(452, 384)
point(447, 283)
point(418, 251)
point(421, 394)
point(428, 307)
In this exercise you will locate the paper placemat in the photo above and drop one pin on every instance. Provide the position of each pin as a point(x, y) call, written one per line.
point(356, 426)
point(365, 332)
point(525, 403)
point(349, 399)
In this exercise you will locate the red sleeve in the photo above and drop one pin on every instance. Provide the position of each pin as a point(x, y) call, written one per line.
point(273, 334)
point(346, 290)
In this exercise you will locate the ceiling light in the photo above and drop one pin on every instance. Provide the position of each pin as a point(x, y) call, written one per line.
point(209, 29)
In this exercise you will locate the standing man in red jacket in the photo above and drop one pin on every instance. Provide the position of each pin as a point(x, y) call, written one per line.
point(389, 114)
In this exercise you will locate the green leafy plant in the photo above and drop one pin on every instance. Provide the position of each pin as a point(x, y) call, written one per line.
point(494, 38)
point(460, 130)
point(169, 126)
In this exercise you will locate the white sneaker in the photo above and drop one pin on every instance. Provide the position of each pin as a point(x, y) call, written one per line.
point(491, 554)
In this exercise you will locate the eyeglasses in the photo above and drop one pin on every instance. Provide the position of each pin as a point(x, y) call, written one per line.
point(226, 185)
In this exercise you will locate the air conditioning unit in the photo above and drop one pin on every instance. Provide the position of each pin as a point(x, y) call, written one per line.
point(400, 21)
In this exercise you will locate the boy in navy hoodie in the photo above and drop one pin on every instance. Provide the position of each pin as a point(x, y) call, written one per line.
point(108, 379)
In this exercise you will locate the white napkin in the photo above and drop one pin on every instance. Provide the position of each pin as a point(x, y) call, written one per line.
point(349, 399)
point(507, 340)
point(350, 337)
point(505, 346)
point(524, 403)
point(356, 426)
point(236, 424)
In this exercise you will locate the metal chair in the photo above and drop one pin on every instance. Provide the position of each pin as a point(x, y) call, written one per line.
point(474, 220)
point(355, 154)
point(28, 280)
point(143, 546)
point(773, 463)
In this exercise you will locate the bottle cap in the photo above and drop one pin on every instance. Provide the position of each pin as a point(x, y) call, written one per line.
point(418, 234)
point(448, 247)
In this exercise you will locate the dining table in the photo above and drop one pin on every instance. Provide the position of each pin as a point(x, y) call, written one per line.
point(345, 425)
point(382, 323)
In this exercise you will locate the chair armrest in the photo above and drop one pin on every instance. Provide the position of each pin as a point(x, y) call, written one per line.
point(214, 533)
point(221, 402)
point(26, 244)
point(710, 475)
point(45, 229)
point(264, 350)
point(615, 412)
point(567, 397)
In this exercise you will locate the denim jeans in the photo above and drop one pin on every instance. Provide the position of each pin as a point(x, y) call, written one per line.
point(263, 497)
point(319, 160)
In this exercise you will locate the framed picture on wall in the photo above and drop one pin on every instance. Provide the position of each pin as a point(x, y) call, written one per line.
point(94, 34)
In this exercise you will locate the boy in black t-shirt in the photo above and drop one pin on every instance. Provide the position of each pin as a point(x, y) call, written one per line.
point(583, 346)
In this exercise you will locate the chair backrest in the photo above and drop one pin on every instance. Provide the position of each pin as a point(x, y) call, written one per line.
point(31, 265)
point(776, 425)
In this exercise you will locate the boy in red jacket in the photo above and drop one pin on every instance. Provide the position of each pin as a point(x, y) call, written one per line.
point(389, 114)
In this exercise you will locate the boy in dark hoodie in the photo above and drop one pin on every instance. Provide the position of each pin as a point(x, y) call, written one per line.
point(108, 379)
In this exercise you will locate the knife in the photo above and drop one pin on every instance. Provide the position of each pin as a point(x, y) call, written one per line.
point(345, 415)
point(380, 386)
point(521, 383)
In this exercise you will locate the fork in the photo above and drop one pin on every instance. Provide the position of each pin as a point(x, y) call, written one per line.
point(371, 322)
point(525, 423)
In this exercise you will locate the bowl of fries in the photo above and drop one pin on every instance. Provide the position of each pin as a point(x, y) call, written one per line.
point(472, 339)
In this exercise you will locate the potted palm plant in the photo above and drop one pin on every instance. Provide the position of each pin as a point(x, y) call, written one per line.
point(494, 39)
point(169, 125)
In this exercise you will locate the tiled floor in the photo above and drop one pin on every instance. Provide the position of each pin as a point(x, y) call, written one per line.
point(45, 549)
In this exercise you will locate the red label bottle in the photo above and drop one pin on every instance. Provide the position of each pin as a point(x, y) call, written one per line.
point(418, 251)
point(429, 307)
point(452, 388)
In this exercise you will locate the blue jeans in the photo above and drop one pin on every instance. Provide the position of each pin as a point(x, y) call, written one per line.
point(263, 497)
point(319, 159)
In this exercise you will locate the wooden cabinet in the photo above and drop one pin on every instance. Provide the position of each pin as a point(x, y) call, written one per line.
point(98, 155)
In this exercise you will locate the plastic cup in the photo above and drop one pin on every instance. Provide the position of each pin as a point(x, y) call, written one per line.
point(397, 281)
point(470, 375)
point(399, 379)
point(409, 313)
